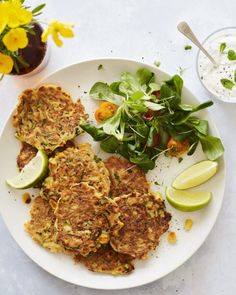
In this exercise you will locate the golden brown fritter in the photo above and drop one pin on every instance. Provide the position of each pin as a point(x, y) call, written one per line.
point(60, 149)
point(72, 166)
point(125, 177)
point(106, 260)
point(41, 226)
point(83, 219)
point(46, 117)
point(145, 220)
point(27, 153)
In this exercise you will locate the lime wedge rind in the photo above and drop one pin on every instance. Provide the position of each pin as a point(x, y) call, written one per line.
point(195, 175)
point(188, 201)
point(32, 173)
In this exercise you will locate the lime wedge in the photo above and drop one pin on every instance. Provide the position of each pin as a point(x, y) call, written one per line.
point(32, 173)
point(195, 175)
point(187, 200)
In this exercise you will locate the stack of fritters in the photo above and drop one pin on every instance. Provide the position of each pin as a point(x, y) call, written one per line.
point(78, 200)
point(104, 233)
point(75, 200)
point(102, 214)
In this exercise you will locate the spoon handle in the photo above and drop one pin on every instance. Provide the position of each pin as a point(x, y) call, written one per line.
point(184, 28)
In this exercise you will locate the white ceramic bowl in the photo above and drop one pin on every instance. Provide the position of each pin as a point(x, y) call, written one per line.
point(201, 58)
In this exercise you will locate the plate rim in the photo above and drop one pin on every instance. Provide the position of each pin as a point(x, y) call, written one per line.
point(222, 160)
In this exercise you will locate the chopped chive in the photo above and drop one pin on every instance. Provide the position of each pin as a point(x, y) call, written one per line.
point(231, 55)
point(222, 47)
point(157, 63)
point(100, 67)
point(228, 84)
point(187, 47)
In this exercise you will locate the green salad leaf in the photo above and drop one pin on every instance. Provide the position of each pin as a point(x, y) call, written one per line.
point(211, 146)
point(97, 133)
point(144, 76)
point(192, 109)
point(114, 125)
point(102, 91)
point(148, 115)
point(192, 148)
point(143, 161)
point(110, 144)
point(200, 126)
point(153, 106)
point(175, 84)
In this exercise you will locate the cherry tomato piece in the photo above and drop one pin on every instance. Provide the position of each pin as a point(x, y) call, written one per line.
point(148, 116)
point(176, 147)
point(157, 94)
point(105, 111)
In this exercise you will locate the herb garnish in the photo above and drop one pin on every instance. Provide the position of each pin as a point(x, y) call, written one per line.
point(228, 84)
point(181, 70)
point(187, 47)
point(180, 159)
point(235, 76)
point(157, 63)
point(231, 55)
point(141, 138)
point(97, 159)
point(100, 67)
point(117, 177)
point(222, 47)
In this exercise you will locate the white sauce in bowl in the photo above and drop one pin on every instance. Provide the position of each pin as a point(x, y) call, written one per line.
point(210, 75)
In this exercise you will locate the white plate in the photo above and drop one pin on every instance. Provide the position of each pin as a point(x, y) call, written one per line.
point(78, 79)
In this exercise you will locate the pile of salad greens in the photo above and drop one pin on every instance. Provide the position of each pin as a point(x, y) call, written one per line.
point(148, 115)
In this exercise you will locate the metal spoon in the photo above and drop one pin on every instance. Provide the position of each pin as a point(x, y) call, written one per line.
point(184, 28)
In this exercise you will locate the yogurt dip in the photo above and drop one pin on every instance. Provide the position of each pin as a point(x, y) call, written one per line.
point(210, 75)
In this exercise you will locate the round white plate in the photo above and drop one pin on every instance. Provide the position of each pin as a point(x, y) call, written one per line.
point(77, 79)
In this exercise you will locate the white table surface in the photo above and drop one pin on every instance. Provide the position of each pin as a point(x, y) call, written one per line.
point(142, 30)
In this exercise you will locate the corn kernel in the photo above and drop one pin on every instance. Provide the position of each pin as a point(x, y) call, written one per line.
point(26, 198)
point(188, 224)
point(172, 238)
point(104, 238)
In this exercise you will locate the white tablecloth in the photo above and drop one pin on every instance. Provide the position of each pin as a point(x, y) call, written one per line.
point(142, 30)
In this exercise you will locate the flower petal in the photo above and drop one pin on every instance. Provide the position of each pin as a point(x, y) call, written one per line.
point(45, 35)
point(3, 16)
point(3, 24)
point(6, 64)
point(56, 39)
point(24, 16)
point(55, 28)
point(15, 39)
point(66, 32)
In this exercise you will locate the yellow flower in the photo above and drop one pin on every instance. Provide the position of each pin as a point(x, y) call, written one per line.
point(13, 14)
point(15, 39)
point(56, 29)
point(6, 64)
point(3, 16)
